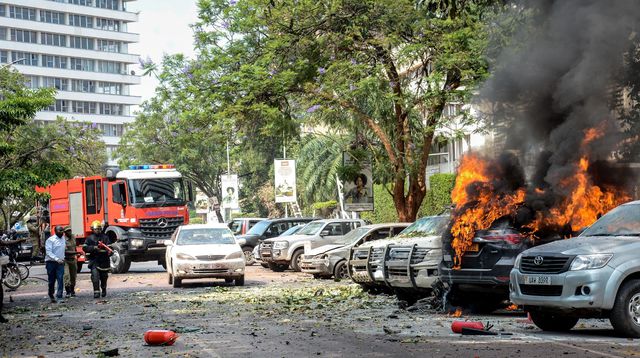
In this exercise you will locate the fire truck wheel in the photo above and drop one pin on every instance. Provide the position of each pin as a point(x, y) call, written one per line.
point(120, 263)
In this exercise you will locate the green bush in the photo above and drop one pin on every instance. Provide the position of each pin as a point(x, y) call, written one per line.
point(384, 209)
point(439, 197)
point(331, 204)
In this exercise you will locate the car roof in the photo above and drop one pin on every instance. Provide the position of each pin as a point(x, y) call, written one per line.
point(337, 220)
point(204, 226)
point(377, 226)
point(292, 219)
point(249, 219)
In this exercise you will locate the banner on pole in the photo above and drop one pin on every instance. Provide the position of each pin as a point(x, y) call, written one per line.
point(358, 190)
point(285, 180)
point(229, 191)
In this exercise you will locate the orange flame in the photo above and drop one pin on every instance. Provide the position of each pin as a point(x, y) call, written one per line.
point(512, 307)
point(457, 313)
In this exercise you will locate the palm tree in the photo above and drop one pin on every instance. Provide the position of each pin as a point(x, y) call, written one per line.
point(320, 160)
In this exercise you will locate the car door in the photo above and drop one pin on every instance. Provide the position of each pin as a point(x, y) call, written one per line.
point(328, 235)
point(169, 252)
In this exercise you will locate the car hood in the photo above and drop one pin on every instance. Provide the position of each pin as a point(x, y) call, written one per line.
point(433, 241)
point(588, 245)
point(198, 250)
point(291, 238)
point(323, 249)
point(246, 236)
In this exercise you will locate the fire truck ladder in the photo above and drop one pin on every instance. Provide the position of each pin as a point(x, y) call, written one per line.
point(296, 209)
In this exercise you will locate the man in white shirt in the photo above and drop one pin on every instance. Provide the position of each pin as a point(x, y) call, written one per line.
point(54, 261)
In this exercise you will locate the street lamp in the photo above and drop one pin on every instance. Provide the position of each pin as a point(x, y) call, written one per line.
point(13, 62)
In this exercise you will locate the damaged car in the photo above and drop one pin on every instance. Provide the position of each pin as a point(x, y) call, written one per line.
point(331, 260)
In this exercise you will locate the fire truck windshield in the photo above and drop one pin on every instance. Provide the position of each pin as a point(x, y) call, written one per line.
point(157, 192)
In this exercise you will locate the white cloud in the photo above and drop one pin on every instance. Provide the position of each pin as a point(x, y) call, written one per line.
point(164, 28)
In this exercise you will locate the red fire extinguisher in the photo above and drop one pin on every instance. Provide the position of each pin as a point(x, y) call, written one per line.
point(160, 337)
point(457, 326)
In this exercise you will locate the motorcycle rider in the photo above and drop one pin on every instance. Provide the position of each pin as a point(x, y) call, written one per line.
point(70, 263)
point(99, 262)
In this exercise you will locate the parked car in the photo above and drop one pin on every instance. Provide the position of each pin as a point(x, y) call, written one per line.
point(279, 253)
point(596, 274)
point(482, 280)
point(331, 260)
point(256, 250)
point(240, 226)
point(204, 251)
point(264, 230)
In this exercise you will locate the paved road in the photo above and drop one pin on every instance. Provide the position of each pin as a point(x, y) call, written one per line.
point(276, 314)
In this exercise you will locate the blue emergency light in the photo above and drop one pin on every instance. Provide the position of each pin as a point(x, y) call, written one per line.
point(152, 166)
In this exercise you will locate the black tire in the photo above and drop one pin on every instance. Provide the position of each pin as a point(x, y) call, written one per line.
point(552, 322)
point(248, 255)
point(228, 280)
point(341, 271)
point(120, 263)
point(625, 315)
point(80, 266)
point(239, 281)
point(24, 271)
point(12, 276)
point(177, 282)
point(277, 267)
point(296, 258)
point(163, 263)
point(264, 264)
point(169, 278)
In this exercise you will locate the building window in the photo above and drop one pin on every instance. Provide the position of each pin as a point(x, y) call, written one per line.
point(52, 17)
point(24, 36)
point(32, 81)
point(83, 86)
point(22, 13)
point(111, 130)
point(80, 21)
point(452, 109)
point(3, 12)
point(82, 64)
point(81, 2)
point(109, 88)
point(109, 67)
point(53, 39)
point(4, 56)
point(61, 84)
point(25, 58)
point(3, 33)
point(108, 24)
point(107, 4)
point(84, 43)
point(111, 109)
point(83, 107)
point(61, 105)
point(108, 46)
point(54, 61)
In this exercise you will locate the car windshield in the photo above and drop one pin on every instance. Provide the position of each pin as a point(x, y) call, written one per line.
point(205, 236)
point(292, 230)
point(427, 226)
point(157, 192)
point(621, 221)
point(352, 236)
point(312, 228)
point(236, 226)
point(259, 228)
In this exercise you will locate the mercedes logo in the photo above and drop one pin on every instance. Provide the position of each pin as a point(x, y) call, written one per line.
point(538, 260)
point(162, 222)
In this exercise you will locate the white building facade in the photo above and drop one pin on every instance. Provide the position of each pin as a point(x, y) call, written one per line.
point(79, 47)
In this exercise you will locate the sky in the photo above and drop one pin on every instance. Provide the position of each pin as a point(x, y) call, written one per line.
point(163, 26)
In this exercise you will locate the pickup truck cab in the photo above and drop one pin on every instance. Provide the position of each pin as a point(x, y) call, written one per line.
point(596, 274)
point(281, 252)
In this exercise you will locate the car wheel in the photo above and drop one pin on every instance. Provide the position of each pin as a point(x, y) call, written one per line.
point(340, 272)
point(296, 259)
point(228, 280)
point(177, 282)
point(240, 281)
point(120, 263)
point(163, 263)
point(265, 265)
point(277, 267)
point(553, 322)
point(625, 315)
point(248, 255)
point(170, 279)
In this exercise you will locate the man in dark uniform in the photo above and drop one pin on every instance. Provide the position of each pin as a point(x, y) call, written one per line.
point(98, 256)
point(70, 262)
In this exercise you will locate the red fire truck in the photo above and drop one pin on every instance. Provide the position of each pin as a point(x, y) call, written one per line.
point(140, 208)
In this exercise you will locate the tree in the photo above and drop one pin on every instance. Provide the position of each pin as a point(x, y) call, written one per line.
point(32, 155)
point(384, 68)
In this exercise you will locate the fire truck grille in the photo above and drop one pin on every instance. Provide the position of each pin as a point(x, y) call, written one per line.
point(161, 228)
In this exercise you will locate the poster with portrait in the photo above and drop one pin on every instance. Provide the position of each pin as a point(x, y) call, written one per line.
point(358, 190)
point(229, 191)
point(285, 180)
point(202, 203)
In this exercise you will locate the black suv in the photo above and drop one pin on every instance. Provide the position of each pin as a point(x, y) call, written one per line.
point(266, 229)
point(482, 281)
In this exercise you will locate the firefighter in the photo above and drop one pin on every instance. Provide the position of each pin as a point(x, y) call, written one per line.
point(99, 262)
point(70, 263)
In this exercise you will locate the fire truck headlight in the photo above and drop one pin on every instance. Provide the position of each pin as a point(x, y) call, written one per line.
point(137, 242)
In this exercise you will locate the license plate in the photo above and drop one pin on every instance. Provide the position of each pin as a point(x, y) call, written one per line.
point(159, 241)
point(212, 266)
point(537, 280)
point(475, 247)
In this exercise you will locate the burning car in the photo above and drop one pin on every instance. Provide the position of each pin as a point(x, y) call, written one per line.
point(331, 260)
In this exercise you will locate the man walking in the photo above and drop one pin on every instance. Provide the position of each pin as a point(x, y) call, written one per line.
point(97, 251)
point(54, 261)
point(70, 263)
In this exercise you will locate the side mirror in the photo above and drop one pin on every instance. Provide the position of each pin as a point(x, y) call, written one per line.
point(168, 243)
point(324, 233)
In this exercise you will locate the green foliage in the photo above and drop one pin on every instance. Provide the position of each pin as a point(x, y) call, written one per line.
point(331, 204)
point(439, 197)
point(32, 155)
point(319, 161)
point(384, 208)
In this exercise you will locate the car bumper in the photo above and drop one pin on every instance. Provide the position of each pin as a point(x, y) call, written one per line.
point(497, 276)
point(568, 287)
point(203, 269)
point(367, 273)
point(315, 266)
point(400, 274)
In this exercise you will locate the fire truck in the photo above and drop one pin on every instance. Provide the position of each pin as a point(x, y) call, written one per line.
point(140, 208)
